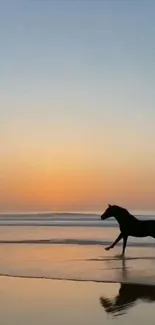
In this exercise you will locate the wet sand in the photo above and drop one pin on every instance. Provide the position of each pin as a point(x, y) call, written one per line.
point(39, 266)
point(40, 301)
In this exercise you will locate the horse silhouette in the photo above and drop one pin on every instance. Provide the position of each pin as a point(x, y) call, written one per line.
point(129, 225)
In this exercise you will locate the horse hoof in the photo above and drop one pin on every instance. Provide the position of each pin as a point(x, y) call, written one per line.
point(107, 248)
point(120, 256)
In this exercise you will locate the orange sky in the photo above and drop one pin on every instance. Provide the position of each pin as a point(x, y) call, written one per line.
point(44, 170)
point(73, 186)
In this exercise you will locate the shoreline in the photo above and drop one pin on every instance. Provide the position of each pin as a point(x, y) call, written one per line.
point(128, 282)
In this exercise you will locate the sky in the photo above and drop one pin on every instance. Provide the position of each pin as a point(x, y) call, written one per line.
point(77, 105)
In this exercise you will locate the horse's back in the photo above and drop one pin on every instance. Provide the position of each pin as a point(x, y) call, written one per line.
point(131, 226)
point(149, 225)
point(143, 228)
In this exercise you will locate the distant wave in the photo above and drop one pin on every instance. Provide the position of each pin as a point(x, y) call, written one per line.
point(65, 241)
point(36, 223)
point(59, 220)
point(54, 217)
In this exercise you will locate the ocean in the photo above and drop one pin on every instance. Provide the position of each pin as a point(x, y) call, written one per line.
point(71, 246)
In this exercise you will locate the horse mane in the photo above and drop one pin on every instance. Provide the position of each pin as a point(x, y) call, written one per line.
point(123, 210)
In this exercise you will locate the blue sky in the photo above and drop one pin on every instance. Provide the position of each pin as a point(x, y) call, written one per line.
point(78, 74)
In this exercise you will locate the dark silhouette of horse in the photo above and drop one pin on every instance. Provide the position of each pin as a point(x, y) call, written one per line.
point(127, 296)
point(129, 225)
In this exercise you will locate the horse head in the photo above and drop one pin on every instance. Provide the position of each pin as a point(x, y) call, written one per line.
point(114, 211)
point(109, 212)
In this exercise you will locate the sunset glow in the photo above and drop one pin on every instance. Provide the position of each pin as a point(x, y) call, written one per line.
point(77, 106)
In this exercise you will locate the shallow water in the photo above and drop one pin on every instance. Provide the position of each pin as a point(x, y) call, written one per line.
point(39, 301)
point(66, 246)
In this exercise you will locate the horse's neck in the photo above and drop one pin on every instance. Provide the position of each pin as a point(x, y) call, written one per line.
point(120, 217)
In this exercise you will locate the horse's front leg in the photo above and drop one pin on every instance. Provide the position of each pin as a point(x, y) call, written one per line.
point(115, 242)
point(125, 237)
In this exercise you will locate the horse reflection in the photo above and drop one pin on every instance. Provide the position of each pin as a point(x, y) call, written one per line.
point(127, 297)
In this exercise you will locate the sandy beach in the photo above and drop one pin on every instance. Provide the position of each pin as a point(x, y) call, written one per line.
point(58, 272)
